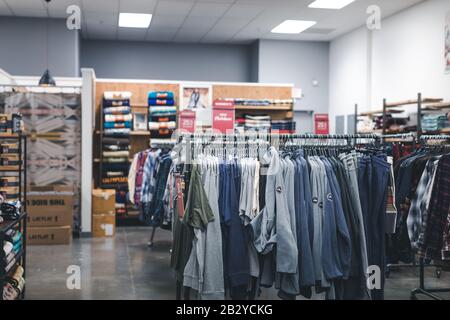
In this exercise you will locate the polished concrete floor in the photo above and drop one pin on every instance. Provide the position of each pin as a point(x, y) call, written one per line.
point(124, 267)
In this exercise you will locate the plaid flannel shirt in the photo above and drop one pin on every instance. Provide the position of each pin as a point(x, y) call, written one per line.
point(418, 205)
point(150, 168)
point(437, 220)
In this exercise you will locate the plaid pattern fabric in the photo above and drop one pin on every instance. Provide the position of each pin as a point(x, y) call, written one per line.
point(446, 239)
point(418, 203)
point(437, 220)
point(139, 176)
point(149, 170)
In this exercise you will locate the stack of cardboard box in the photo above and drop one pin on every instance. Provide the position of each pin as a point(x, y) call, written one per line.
point(103, 212)
point(50, 215)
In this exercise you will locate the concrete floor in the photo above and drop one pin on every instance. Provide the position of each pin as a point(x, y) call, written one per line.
point(124, 267)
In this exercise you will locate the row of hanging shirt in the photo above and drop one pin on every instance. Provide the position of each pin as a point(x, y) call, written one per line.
point(147, 181)
point(422, 175)
point(321, 225)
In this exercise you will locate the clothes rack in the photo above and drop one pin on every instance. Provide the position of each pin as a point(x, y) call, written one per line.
point(287, 140)
point(21, 222)
point(422, 289)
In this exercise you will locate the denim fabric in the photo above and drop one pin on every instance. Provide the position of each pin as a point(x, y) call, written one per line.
point(377, 223)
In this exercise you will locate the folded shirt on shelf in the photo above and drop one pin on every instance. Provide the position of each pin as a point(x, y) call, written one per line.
point(116, 141)
point(115, 160)
point(114, 180)
point(163, 110)
point(163, 118)
point(110, 174)
point(118, 117)
point(121, 131)
point(7, 247)
point(117, 95)
point(114, 166)
point(117, 125)
point(115, 147)
point(162, 125)
point(161, 102)
point(161, 95)
point(117, 110)
point(112, 154)
point(115, 103)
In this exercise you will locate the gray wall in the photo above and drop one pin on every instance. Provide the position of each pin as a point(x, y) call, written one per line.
point(202, 62)
point(299, 63)
point(23, 49)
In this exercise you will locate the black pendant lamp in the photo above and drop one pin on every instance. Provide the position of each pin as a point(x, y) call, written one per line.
point(47, 79)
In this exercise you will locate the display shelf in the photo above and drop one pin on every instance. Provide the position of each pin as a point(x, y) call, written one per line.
point(412, 102)
point(378, 112)
point(266, 108)
point(10, 168)
point(140, 133)
point(5, 226)
point(10, 272)
point(437, 106)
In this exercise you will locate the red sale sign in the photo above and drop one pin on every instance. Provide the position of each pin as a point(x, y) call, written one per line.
point(223, 115)
point(321, 124)
point(187, 120)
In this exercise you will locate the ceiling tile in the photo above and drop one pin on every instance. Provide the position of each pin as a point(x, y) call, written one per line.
point(131, 34)
point(101, 5)
point(230, 25)
point(138, 6)
point(244, 11)
point(161, 34)
point(163, 20)
point(207, 9)
point(174, 7)
point(94, 17)
point(199, 23)
point(27, 8)
point(188, 36)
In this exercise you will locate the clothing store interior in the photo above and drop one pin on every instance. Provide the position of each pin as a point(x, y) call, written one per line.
point(225, 150)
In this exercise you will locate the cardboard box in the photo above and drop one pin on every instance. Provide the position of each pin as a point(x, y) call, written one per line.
point(104, 225)
point(57, 219)
point(49, 235)
point(103, 201)
point(50, 200)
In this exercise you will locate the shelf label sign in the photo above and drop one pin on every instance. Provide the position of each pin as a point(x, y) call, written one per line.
point(321, 124)
point(187, 120)
point(223, 115)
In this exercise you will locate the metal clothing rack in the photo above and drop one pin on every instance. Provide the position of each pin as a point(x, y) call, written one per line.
point(429, 292)
point(269, 137)
point(21, 171)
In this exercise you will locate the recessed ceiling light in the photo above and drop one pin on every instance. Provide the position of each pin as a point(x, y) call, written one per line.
point(330, 4)
point(134, 20)
point(293, 26)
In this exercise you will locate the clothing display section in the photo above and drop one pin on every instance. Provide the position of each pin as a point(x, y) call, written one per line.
point(313, 232)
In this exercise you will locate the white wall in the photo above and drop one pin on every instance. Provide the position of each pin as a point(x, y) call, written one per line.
point(348, 74)
point(408, 55)
point(403, 58)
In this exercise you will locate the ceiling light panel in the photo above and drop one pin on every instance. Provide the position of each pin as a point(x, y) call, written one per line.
point(293, 26)
point(134, 20)
point(330, 4)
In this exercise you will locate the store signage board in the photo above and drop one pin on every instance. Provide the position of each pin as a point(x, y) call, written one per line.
point(187, 120)
point(223, 116)
point(321, 124)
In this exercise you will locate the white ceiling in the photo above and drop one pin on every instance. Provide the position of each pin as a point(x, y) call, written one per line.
point(206, 21)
